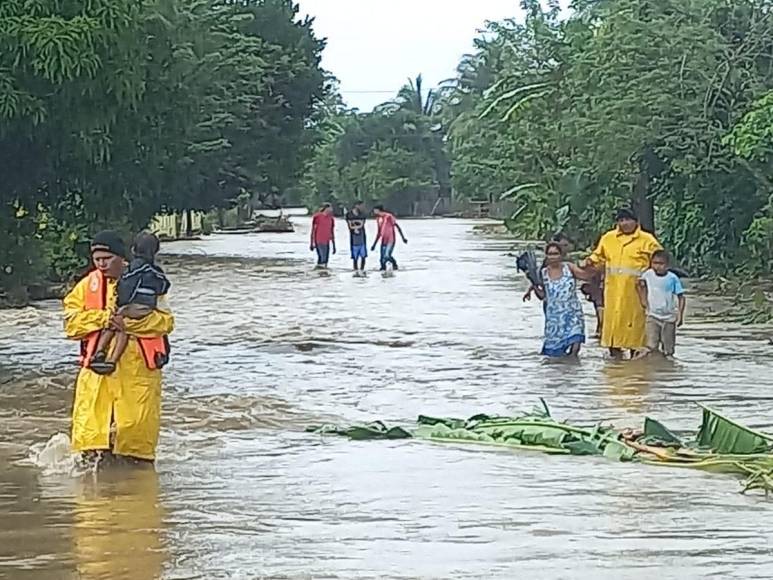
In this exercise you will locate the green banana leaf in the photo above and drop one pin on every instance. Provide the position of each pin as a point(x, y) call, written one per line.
point(582, 447)
point(526, 433)
point(655, 432)
point(618, 451)
point(364, 431)
point(444, 434)
point(721, 446)
point(722, 435)
point(450, 422)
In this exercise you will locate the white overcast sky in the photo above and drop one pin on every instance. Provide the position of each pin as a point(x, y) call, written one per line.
point(373, 46)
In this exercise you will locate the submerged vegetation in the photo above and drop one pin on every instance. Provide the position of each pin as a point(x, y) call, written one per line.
point(720, 445)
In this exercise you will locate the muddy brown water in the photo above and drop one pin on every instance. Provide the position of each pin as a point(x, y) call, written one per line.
point(265, 346)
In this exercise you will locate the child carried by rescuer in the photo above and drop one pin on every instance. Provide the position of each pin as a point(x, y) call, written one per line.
point(662, 296)
point(138, 291)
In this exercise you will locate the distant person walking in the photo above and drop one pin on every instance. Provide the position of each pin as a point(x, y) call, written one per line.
point(624, 254)
point(355, 219)
point(323, 234)
point(386, 227)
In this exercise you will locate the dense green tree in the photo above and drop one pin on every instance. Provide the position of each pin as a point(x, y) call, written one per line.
point(395, 154)
point(384, 156)
point(625, 102)
point(113, 110)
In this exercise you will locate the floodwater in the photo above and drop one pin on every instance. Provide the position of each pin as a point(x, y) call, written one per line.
point(265, 346)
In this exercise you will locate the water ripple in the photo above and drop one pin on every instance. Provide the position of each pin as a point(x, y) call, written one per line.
point(264, 346)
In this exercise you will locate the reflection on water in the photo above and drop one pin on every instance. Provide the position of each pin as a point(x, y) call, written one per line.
point(629, 382)
point(265, 346)
point(117, 525)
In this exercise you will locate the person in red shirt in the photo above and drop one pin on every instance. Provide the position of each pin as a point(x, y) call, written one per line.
point(386, 226)
point(323, 234)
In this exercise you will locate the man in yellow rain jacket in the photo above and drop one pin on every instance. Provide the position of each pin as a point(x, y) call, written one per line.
point(129, 399)
point(624, 253)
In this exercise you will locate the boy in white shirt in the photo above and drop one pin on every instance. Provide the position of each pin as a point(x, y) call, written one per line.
point(662, 296)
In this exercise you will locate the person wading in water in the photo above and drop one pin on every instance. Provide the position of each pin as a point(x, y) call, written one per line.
point(355, 219)
point(564, 320)
point(116, 414)
point(386, 227)
point(323, 234)
point(624, 254)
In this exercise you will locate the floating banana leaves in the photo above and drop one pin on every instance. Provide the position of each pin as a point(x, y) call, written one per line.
point(721, 445)
point(655, 432)
point(364, 431)
point(723, 435)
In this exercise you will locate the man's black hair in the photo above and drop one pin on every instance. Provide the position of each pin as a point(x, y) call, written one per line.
point(379, 208)
point(625, 213)
point(109, 241)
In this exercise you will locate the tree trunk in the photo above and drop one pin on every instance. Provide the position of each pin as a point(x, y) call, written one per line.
point(641, 201)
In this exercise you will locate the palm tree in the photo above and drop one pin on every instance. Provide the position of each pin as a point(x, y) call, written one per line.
point(415, 106)
point(411, 97)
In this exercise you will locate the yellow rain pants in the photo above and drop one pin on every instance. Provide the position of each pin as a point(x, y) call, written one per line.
point(625, 258)
point(130, 396)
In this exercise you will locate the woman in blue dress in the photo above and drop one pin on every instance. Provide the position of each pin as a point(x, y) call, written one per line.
point(564, 320)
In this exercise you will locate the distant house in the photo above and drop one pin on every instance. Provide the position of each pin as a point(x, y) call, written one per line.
point(175, 226)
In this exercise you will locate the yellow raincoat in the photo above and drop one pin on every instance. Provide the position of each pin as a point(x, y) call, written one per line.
point(131, 396)
point(625, 257)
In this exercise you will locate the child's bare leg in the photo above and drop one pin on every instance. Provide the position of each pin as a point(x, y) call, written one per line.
point(105, 337)
point(100, 363)
point(599, 320)
point(119, 346)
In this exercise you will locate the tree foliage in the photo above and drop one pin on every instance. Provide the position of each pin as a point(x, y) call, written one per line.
point(113, 110)
point(663, 104)
point(393, 155)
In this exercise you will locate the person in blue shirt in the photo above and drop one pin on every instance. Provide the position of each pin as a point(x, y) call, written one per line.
point(355, 220)
point(662, 296)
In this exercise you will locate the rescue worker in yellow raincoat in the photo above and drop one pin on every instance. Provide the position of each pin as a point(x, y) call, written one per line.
point(624, 253)
point(129, 399)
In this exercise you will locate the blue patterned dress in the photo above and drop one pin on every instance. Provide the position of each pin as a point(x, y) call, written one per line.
point(564, 321)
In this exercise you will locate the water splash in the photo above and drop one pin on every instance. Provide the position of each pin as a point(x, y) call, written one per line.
point(55, 456)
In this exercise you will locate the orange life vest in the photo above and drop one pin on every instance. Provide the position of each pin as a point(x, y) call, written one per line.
point(155, 350)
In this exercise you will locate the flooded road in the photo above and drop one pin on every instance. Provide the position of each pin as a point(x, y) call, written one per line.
point(265, 346)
